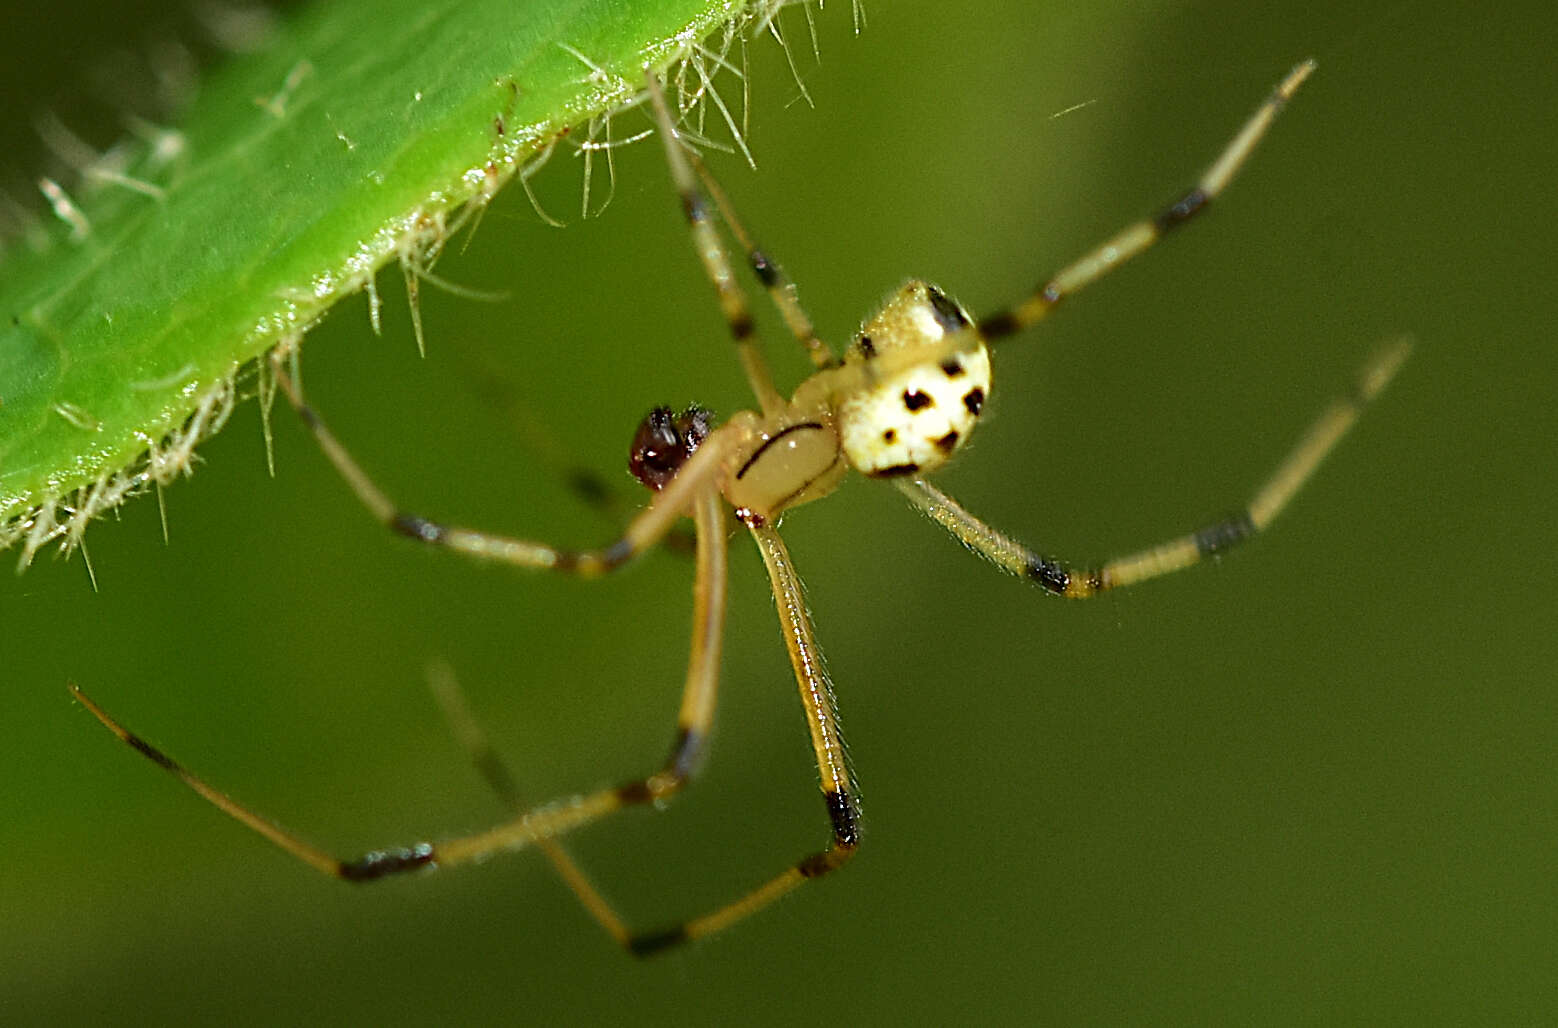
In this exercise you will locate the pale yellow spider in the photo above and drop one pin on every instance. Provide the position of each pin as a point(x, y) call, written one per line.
point(898, 404)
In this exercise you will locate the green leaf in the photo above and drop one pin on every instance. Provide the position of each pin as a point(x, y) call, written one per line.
point(362, 133)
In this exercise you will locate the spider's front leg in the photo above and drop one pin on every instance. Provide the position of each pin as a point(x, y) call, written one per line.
point(644, 531)
point(1140, 236)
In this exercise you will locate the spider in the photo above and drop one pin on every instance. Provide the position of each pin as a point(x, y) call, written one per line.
point(898, 403)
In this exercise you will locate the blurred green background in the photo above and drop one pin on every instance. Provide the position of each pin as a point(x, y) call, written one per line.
point(1316, 781)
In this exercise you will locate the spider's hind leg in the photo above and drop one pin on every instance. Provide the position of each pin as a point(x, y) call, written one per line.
point(1063, 579)
point(537, 824)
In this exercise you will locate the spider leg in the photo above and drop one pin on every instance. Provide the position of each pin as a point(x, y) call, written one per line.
point(495, 772)
point(780, 289)
point(644, 531)
point(716, 262)
point(1137, 237)
point(694, 719)
point(1061, 578)
point(838, 783)
point(706, 241)
point(501, 391)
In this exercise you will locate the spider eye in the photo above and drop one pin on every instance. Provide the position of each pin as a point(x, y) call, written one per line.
point(664, 442)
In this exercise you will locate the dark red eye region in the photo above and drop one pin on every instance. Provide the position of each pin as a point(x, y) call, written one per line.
point(665, 441)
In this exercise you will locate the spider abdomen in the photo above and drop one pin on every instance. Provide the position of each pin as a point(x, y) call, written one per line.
point(910, 415)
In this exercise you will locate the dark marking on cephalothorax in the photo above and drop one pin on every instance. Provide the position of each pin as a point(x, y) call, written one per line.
point(890, 436)
point(866, 346)
point(948, 442)
point(771, 440)
point(952, 367)
point(1225, 533)
point(974, 400)
point(896, 471)
point(386, 862)
point(948, 314)
point(915, 400)
point(650, 943)
point(764, 269)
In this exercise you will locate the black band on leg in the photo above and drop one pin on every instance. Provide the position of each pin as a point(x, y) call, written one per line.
point(999, 326)
point(387, 862)
point(1187, 207)
point(650, 943)
point(686, 754)
point(415, 527)
point(152, 753)
point(845, 816)
point(693, 208)
point(764, 269)
point(1218, 537)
